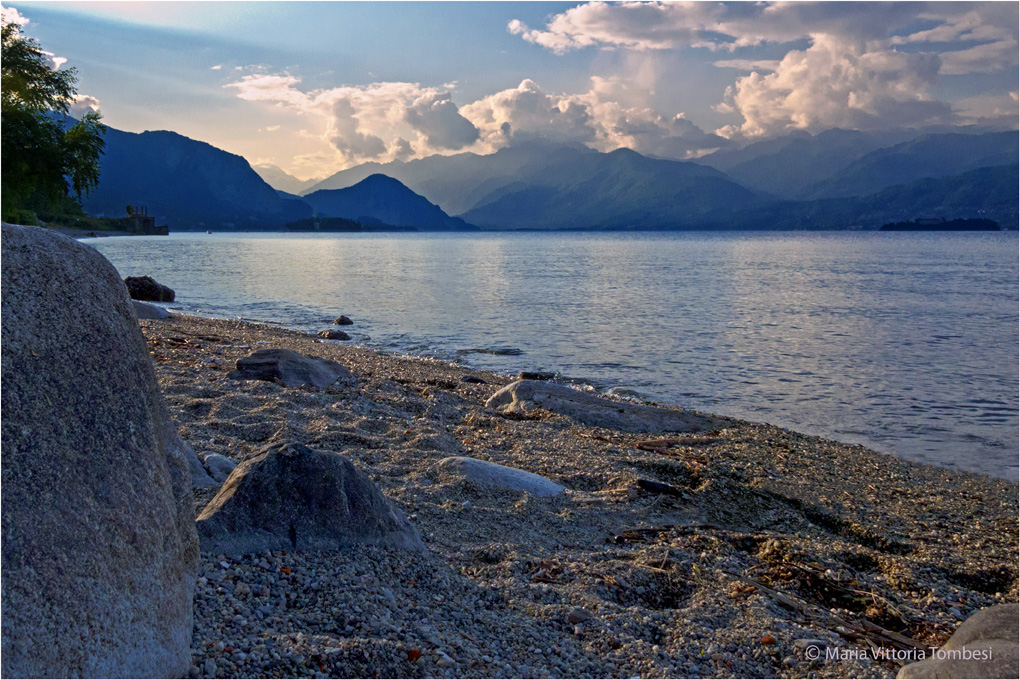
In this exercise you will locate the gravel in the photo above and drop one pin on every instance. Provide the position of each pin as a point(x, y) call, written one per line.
point(668, 580)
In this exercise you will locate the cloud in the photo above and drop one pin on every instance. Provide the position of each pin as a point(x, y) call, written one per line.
point(990, 110)
point(674, 25)
point(83, 104)
point(55, 61)
point(377, 122)
point(217, 67)
point(526, 112)
point(748, 64)
point(837, 83)
point(11, 15)
point(608, 116)
point(434, 115)
point(980, 58)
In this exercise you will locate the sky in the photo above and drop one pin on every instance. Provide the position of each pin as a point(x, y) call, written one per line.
point(316, 87)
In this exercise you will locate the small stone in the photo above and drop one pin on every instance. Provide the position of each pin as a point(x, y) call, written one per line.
point(333, 334)
point(466, 505)
point(194, 671)
point(578, 615)
point(343, 320)
point(210, 667)
point(444, 661)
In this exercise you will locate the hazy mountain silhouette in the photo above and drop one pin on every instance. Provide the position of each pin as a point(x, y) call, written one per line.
point(989, 192)
point(281, 180)
point(379, 199)
point(786, 166)
point(186, 184)
point(541, 185)
point(936, 155)
point(456, 183)
point(574, 189)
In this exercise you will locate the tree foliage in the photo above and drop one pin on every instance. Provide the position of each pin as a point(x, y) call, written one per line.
point(43, 160)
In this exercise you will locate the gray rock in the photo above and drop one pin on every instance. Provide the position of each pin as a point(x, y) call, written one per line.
point(490, 474)
point(200, 478)
point(984, 646)
point(333, 334)
point(289, 497)
point(578, 615)
point(98, 536)
point(589, 409)
point(143, 310)
point(218, 465)
point(289, 368)
point(343, 320)
point(146, 288)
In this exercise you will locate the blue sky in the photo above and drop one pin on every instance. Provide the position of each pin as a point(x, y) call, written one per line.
point(317, 86)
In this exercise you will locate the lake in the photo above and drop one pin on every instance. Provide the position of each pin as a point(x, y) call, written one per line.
point(904, 342)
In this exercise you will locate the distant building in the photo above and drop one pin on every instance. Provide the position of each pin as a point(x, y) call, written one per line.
point(138, 221)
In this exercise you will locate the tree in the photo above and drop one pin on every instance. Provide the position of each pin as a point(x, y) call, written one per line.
point(43, 160)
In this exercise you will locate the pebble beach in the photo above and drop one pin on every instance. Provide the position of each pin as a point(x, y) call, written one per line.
point(747, 551)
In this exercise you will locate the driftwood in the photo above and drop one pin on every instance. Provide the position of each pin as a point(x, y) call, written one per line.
point(659, 487)
point(856, 629)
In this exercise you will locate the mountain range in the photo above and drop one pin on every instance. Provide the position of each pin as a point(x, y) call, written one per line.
point(379, 200)
point(186, 184)
point(833, 180)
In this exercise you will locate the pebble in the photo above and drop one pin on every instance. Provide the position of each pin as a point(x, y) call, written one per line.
point(578, 615)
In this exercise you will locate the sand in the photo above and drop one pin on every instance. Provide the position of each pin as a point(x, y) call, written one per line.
point(771, 544)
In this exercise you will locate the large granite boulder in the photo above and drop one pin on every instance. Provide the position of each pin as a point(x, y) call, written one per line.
point(492, 474)
point(148, 289)
point(289, 497)
point(289, 368)
point(985, 646)
point(99, 548)
point(526, 395)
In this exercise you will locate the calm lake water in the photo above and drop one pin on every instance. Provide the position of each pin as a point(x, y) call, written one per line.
point(907, 343)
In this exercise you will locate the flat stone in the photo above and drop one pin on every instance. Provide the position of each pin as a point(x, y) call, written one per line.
point(334, 334)
point(289, 368)
point(218, 465)
point(491, 474)
point(589, 409)
point(144, 310)
point(200, 478)
point(98, 535)
point(984, 646)
point(290, 497)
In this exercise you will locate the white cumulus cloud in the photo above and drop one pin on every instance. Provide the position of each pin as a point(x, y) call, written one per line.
point(610, 115)
point(837, 83)
point(376, 122)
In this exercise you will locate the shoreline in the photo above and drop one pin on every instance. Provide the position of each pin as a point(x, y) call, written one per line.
point(667, 583)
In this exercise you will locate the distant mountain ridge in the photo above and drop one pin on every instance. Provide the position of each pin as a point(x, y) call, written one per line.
point(186, 184)
point(281, 180)
point(927, 156)
point(382, 200)
point(835, 179)
point(618, 190)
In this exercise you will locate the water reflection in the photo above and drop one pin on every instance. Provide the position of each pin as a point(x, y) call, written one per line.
point(904, 342)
